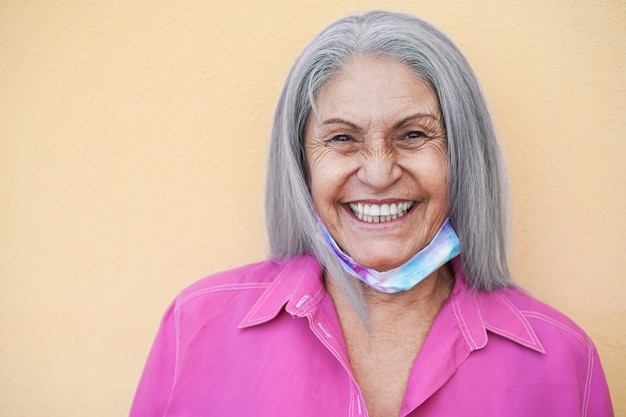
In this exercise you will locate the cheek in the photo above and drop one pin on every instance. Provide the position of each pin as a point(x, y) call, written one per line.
point(440, 186)
point(438, 176)
point(322, 167)
point(318, 181)
point(438, 165)
point(329, 179)
point(322, 186)
point(431, 173)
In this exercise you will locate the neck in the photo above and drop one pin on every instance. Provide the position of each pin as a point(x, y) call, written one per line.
point(382, 354)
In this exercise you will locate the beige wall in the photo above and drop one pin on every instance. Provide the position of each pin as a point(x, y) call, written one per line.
point(132, 149)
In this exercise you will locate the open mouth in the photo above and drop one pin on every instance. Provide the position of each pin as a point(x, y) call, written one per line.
point(375, 213)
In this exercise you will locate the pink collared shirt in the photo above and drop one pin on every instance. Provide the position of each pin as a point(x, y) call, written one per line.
point(265, 340)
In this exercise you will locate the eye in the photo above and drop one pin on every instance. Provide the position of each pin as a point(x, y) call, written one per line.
point(414, 138)
point(341, 138)
point(343, 143)
point(415, 135)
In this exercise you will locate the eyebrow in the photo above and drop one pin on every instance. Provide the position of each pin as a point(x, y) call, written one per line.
point(397, 125)
point(339, 120)
point(413, 117)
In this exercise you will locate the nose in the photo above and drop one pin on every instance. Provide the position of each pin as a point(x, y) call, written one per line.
point(379, 169)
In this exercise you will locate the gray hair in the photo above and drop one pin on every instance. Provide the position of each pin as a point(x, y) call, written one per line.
point(477, 183)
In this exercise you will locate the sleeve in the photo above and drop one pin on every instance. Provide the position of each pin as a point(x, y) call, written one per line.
point(155, 385)
point(597, 394)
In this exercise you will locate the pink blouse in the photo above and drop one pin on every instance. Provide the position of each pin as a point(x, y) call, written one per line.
point(265, 340)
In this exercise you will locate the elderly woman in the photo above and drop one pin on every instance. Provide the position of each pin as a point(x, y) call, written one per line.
point(388, 291)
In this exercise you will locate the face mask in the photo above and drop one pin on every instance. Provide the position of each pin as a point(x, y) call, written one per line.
point(444, 246)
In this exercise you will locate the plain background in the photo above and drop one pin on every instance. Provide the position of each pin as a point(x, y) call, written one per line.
point(132, 152)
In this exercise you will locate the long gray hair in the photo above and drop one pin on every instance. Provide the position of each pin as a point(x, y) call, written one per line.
point(477, 183)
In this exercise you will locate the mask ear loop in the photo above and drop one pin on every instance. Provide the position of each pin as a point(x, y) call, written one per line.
point(444, 246)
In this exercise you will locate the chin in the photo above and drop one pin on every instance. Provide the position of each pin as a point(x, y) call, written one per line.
point(381, 263)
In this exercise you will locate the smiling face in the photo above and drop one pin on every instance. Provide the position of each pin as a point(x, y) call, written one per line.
point(376, 158)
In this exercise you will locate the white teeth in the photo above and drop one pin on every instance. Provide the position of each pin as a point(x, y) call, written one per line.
point(374, 213)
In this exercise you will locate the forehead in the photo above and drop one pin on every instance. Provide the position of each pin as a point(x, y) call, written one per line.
point(376, 84)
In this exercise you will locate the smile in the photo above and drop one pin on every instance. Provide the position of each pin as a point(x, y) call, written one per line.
point(374, 213)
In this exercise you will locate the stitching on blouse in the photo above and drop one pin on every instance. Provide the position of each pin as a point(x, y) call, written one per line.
point(317, 296)
point(273, 288)
point(530, 341)
point(288, 296)
point(508, 334)
point(218, 288)
point(480, 316)
point(589, 376)
point(261, 301)
point(302, 300)
point(514, 337)
point(177, 338)
point(541, 316)
point(586, 341)
point(516, 312)
point(267, 295)
point(351, 406)
point(464, 330)
point(181, 301)
point(339, 358)
point(321, 326)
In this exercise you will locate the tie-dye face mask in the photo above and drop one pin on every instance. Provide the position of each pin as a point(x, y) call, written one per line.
point(444, 246)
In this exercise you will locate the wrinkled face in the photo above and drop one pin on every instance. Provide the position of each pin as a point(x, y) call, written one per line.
point(376, 158)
